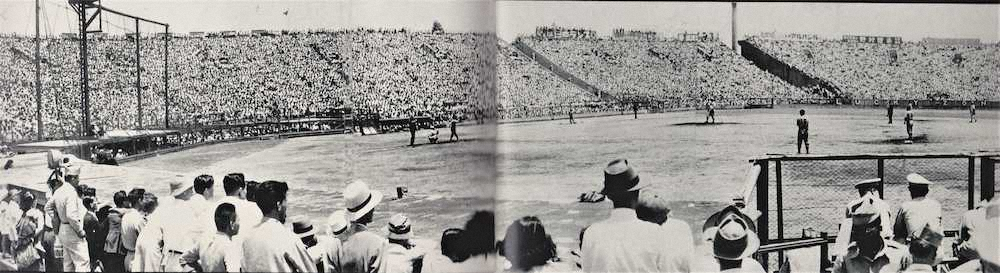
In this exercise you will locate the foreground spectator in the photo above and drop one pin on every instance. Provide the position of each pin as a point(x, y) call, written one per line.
point(70, 211)
point(133, 223)
point(400, 254)
point(26, 256)
point(917, 212)
point(623, 243)
point(527, 246)
point(924, 249)
point(867, 190)
point(654, 209)
point(271, 247)
point(706, 260)
point(307, 234)
point(735, 241)
point(478, 241)
point(248, 212)
point(362, 249)
point(868, 251)
point(215, 252)
point(114, 254)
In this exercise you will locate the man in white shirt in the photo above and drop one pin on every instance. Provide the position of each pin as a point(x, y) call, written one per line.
point(201, 206)
point(917, 212)
point(215, 252)
point(623, 243)
point(272, 247)
point(169, 230)
point(134, 221)
point(69, 211)
point(235, 187)
point(654, 209)
point(734, 242)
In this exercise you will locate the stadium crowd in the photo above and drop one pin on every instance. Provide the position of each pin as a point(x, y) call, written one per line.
point(663, 69)
point(248, 229)
point(529, 90)
point(908, 70)
point(395, 73)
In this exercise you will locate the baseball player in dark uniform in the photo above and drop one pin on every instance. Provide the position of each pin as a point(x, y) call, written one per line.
point(908, 119)
point(803, 136)
point(889, 112)
point(413, 130)
point(710, 105)
point(454, 133)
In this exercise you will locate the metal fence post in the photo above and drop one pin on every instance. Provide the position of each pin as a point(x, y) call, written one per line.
point(972, 182)
point(779, 205)
point(824, 252)
point(762, 222)
point(987, 170)
point(881, 178)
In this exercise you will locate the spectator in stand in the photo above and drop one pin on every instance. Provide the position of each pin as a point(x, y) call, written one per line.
point(26, 256)
point(235, 188)
point(867, 190)
point(623, 243)
point(271, 247)
point(168, 233)
point(527, 246)
point(216, 252)
point(654, 209)
point(705, 258)
point(202, 205)
point(361, 249)
point(924, 249)
point(70, 211)
point(735, 241)
point(133, 223)
point(114, 254)
point(252, 191)
point(868, 250)
point(401, 255)
point(478, 241)
point(918, 212)
point(307, 234)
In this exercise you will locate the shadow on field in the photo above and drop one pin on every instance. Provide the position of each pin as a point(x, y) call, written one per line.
point(703, 123)
point(920, 138)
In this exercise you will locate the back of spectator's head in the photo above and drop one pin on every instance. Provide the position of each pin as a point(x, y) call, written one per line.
point(526, 245)
point(26, 200)
point(202, 183)
point(271, 198)
point(233, 183)
point(88, 202)
point(135, 195)
point(252, 190)
point(147, 203)
point(479, 237)
point(54, 183)
point(652, 208)
point(451, 245)
point(802, 112)
point(121, 199)
point(225, 219)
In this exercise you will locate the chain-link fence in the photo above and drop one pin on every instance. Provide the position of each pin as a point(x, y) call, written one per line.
point(812, 192)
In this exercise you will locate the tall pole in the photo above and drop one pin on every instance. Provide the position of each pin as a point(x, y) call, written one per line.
point(38, 75)
point(138, 74)
point(84, 74)
point(734, 27)
point(166, 77)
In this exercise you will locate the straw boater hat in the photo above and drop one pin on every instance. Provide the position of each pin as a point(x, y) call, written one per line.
point(302, 227)
point(337, 223)
point(734, 240)
point(916, 179)
point(619, 177)
point(178, 187)
point(360, 200)
point(399, 227)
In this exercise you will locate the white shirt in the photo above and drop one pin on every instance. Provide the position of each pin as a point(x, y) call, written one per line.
point(913, 215)
point(248, 212)
point(69, 208)
point(215, 253)
point(623, 243)
point(680, 232)
point(476, 264)
point(271, 247)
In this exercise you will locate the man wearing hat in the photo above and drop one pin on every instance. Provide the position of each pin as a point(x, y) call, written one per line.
point(400, 254)
point(734, 241)
point(868, 251)
point(270, 246)
point(69, 212)
point(924, 250)
point(867, 189)
point(170, 226)
point(361, 249)
point(303, 228)
point(336, 228)
point(707, 259)
point(918, 212)
point(623, 243)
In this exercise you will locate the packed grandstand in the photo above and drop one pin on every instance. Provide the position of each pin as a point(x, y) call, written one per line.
point(400, 73)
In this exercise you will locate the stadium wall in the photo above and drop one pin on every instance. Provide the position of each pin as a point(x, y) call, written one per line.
point(786, 72)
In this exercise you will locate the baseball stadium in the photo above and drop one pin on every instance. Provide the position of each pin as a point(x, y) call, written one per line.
point(783, 125)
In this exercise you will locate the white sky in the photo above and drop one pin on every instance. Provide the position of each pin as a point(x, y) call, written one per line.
point(510, 19)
